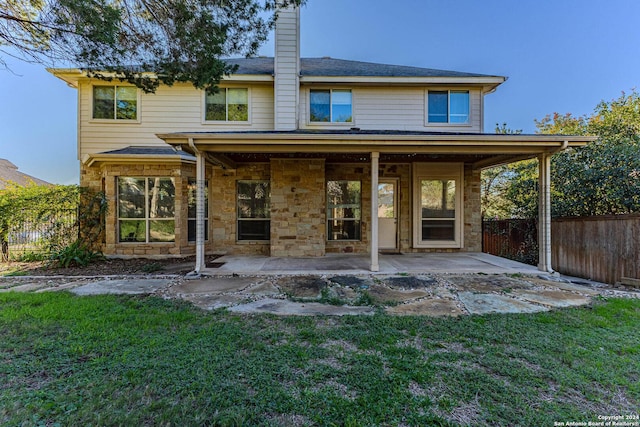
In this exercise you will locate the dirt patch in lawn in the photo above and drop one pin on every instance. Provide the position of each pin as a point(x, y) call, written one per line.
point(105, 267)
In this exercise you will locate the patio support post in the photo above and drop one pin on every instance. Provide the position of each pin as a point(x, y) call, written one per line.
point(200, 208)
point(544, 213)
point(375, 159)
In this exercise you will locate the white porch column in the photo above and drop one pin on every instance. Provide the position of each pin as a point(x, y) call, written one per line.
point(375, 159)
point(544, 212)
point(200, 209)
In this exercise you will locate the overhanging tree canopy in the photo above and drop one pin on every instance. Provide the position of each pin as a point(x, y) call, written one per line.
point(599, 179)
point(174, 40)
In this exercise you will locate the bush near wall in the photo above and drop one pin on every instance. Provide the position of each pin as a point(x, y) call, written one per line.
point(37, 221)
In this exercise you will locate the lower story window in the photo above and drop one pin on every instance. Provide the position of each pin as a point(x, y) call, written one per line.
point(191, 202)
point(438, 205)
point(146, 209)
point(254, 210)
point(438, 209)
point(344, 210)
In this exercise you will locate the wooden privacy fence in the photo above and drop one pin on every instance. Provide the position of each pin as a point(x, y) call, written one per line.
point(516, 239)
point(602, 248)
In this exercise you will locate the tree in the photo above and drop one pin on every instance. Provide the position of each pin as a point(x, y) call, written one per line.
point(143, 42)
point(496, 181)
point(603, 177)
point(598, 179)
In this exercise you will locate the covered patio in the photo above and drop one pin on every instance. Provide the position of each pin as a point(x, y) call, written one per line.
point(421, 152)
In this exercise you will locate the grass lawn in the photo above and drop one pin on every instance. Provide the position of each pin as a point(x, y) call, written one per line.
point(116, 360)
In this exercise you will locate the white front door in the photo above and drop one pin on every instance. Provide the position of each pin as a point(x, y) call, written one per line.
point(388, 214)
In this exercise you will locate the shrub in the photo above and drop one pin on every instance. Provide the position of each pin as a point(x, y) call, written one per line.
point(76, 254)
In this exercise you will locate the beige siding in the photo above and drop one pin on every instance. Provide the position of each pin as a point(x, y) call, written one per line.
point(180, 109)
point(171, 109)
point(287, 66)
point(398, 108)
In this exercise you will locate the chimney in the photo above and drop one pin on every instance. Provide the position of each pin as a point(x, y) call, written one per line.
point(287, 69)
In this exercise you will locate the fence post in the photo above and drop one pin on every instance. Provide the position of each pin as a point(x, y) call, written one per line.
point(4, 244)
point(4, 250)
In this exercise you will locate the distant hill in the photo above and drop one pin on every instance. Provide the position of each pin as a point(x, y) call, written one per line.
point(9, 175)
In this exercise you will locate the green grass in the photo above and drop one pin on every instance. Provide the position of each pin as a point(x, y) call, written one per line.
point(115, 360)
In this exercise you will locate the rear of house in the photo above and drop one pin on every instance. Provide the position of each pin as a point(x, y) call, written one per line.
point(295, 157)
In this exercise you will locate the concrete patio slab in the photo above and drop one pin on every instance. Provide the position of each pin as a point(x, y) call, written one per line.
point(285, 307)
point(556, 299)
point(491, 303)
point(123, 286)
point(358, 264)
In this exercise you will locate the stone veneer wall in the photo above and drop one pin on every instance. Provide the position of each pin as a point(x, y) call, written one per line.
point(222, 213)
point(298, 207)
point(298, 217)
point(472, 211)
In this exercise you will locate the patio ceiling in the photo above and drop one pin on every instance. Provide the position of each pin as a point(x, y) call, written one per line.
point(480, 150)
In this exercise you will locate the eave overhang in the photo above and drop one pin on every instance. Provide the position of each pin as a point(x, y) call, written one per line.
point(488, 83)
point(72, 76)
point(496, 148)
point(109, 158)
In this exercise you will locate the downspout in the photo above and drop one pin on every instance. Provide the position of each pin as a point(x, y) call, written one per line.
point(563, 147)
point(200, 166)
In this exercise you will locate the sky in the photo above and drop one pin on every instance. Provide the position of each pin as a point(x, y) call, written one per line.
point(559, 56)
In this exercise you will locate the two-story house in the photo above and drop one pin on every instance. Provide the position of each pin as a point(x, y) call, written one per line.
point(298, 157)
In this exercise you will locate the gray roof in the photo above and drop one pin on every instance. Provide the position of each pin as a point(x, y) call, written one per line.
point(9, 174)
point(343, 68)
point(149, 151)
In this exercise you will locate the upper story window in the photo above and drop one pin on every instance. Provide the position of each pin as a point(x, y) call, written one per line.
point(330, 106)
point(115, 102)
point(228, 105)
point(448, 106)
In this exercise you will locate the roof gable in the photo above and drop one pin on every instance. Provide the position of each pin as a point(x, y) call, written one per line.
point(10, 175)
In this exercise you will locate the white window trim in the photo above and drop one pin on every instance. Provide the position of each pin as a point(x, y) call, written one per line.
point(203, 106)
point(146, 218)
point(453, 171)
point(350, 124)
point(121, 121)
point(427, 123)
